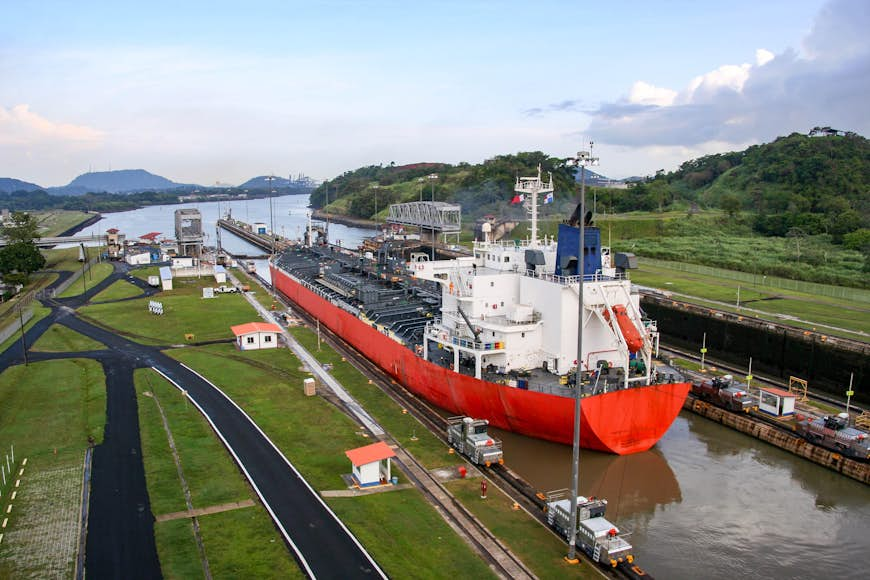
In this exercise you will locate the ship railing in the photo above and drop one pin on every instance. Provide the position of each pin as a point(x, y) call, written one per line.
point(570, 280)
point(501, 320)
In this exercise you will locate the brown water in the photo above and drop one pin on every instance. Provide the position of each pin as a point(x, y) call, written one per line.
point(709, 502)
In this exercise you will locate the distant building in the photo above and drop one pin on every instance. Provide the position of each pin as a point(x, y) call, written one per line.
point(256, 335)
point(371, 464)
point(188, 232)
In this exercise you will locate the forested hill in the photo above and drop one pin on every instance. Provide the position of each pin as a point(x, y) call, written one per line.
point(817, 185)
point(483, 188)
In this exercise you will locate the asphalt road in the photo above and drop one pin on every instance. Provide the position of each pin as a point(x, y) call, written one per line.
point(120, 536)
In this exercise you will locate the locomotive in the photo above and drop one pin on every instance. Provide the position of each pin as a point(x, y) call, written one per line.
point(596, 536)
point(834, 433)
point(725, 391)
point(469, 437)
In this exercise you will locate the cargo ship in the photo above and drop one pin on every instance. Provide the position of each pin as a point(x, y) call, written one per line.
point(494, 334)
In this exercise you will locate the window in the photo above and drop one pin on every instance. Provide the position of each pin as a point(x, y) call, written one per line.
point(507, 259)
point(250, 340)
point(267, 338)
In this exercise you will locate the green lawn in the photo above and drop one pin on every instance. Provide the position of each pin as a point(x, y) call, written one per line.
point(185, 312)
point(118, 290)
point(213, 479)
point(53, 223)
point(841, 313)
point(39, 312)
point(398, 552)
point(314, 435)
point(95, 275)
point(427, 448)
point(62, 259)
point(211, 475)
point(542, 551)
point(59, 338)
point(51, 408)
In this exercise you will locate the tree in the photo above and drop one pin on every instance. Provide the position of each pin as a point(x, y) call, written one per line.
point(23, 227)
point(18, 260)
point(730, 204)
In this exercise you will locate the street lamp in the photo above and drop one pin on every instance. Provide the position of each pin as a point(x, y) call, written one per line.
point(376, 187)
point(432, 177)
point(583, 159)
point(271, 213)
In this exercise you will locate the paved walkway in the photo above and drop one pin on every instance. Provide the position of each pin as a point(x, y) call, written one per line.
point(215, 509)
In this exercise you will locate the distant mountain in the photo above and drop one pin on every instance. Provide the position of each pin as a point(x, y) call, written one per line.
point(120, 181)
point(595, 179)
point(9, 185)
point(279, 183)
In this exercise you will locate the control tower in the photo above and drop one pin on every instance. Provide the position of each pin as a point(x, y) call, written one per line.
point(188, 232)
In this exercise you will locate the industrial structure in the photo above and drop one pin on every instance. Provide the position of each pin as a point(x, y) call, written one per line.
point(188, 232)
point(434, 217)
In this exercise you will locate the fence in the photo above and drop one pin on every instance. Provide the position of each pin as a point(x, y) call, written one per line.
point(846, 293)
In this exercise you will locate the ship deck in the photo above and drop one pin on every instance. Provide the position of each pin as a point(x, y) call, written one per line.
point(382, 294)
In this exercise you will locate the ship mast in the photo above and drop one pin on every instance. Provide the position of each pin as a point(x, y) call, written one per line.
point(530, 188)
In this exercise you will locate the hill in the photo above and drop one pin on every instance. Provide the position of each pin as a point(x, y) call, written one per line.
point(797, 185)
point(301, 184)
point(8, 185)
point(484, 188)
point(119, 181)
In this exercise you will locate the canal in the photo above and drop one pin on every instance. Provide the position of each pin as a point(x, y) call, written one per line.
point(706, 501)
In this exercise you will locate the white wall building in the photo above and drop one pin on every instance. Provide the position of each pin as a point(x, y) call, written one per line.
point(256, 335)
point(371, 464)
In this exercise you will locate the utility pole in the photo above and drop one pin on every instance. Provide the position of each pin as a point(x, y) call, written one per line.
point(583, 159)
point(432, 177)
point(850, 392)
point(271, 213)
point(703, 350)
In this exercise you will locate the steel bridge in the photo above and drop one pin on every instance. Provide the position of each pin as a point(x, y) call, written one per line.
point(433, 216)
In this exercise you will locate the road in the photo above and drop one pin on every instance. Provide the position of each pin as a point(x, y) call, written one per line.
point(120, 536)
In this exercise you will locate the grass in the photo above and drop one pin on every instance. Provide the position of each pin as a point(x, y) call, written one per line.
point(213, 479)
point(245, 544)
point(209, 471)
point(39, 312)
point(269, 388)
point(59, 338)
point(95, 275)
point(55, 222)
point(535, 545)
point(848, 315)
point(185, 312)
point(62, 259)
point(259, 293)
point(117, 291)
point(400, 554)
point(428, 449)
point(50, 408)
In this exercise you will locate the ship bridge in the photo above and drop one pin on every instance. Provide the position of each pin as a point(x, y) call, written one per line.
point(435, 217)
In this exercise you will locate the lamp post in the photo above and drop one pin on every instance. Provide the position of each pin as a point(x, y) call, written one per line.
point(583, 159)
point(271, 214)
point(432, 177)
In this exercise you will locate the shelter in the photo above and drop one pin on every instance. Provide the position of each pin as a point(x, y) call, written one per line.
point(776, 402)
point(371, 464)
point(166, 277)
point(220, 275)
point(256, 335)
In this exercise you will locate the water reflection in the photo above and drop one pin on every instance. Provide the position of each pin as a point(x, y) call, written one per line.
point(631, 484)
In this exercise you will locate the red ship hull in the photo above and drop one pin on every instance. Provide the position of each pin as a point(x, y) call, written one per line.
point(620, 422)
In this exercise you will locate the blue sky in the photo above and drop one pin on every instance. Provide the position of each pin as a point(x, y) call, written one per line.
point(222, 91)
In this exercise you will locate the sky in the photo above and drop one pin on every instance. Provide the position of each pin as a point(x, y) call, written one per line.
point(218, 92)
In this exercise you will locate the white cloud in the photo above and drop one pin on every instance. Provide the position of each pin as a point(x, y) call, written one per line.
point(21, 126)
point(762, 56)
point(748, 103)
point(643, 93)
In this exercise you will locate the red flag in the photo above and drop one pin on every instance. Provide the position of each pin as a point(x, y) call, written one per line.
point(519, 198)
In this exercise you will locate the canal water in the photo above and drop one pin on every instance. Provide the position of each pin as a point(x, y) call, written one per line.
point(705, 502)
point(289, 213)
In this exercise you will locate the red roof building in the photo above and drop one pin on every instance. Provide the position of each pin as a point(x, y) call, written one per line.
point(256, 335)
point(371, 464)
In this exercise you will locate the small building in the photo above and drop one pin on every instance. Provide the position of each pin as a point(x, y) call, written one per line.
point(260, 228)
point(220, 275)
point(256, 335)
point(776, 402)
point(138, 258)
point(184, 262)
point(149, 238)
point(166, 277)
point(371, 464)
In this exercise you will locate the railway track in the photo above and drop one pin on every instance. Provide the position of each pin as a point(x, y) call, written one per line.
point(773, 382)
